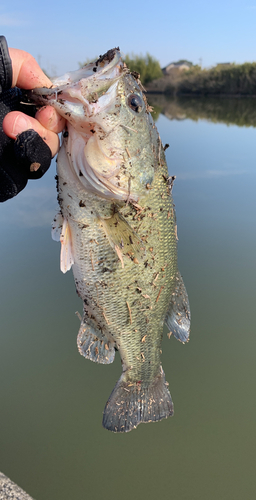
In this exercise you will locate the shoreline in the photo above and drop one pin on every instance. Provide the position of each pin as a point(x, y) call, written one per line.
point(181, 94)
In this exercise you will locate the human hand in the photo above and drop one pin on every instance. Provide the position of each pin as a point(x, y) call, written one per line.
point(28, 155)
point(27, 74)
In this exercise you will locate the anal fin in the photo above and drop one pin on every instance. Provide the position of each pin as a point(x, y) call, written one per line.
point(178, 316)
point(93, 344)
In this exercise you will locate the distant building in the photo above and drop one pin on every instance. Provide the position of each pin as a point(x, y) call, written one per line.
point(181, 65)
point(223, 65)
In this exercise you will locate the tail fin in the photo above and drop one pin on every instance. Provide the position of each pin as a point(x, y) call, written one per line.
point(131, 404)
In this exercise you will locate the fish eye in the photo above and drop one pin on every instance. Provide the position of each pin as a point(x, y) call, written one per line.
point(135, 102)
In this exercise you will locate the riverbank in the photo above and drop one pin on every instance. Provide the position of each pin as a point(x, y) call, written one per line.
point(236, 80)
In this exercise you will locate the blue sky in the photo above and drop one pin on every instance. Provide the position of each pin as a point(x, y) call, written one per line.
point(60, 34)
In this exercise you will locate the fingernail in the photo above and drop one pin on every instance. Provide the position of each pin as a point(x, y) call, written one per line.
point(50, 120)
point(41, 109)
point(21, 124)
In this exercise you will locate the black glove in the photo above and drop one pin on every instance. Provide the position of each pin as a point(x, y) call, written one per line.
point(27, 157)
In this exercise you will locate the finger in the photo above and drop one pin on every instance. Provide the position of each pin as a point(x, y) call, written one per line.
point(15, 123)
point(27, 74)
point(50, 119)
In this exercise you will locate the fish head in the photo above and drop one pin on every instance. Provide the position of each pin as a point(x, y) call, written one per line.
point(112, 142)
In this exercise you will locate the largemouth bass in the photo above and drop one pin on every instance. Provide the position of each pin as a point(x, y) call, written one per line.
point(118, 232)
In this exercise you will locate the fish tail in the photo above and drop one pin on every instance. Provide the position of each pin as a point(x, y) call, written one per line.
point(133, 403)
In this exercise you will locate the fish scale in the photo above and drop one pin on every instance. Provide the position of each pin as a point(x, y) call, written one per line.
point(94, 252)
point(117, 229)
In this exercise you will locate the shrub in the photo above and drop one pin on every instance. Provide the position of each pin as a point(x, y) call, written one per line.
point(235, 79)
point(147, 66)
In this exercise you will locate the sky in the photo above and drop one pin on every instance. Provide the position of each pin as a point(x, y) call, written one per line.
point(61, 34)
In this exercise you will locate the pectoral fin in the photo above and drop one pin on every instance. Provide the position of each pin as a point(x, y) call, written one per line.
point(62, 232)
point(123, 238)
point(66, 253)
point(178, 315)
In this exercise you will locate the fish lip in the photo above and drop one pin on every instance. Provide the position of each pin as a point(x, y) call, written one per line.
point(109, 56)
point(112, 57)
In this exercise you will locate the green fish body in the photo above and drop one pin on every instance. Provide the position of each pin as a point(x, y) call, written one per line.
point(118, 232)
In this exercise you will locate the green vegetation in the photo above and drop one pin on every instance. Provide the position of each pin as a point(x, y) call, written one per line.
point(147, 66)
point(234, 79)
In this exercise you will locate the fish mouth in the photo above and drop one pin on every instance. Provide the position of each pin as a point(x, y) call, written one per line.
point(84, 97)
point(93, 80)
point(81, 95)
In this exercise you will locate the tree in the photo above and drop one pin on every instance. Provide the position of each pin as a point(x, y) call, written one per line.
point(147, 66)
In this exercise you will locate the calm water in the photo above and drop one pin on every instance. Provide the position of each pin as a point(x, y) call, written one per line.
point(51, 440)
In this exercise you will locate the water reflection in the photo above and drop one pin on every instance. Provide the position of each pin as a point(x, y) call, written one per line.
point(51, 439)
point(236, 111)
point(34, 207)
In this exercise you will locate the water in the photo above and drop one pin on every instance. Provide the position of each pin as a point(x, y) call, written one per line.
point(51, 440)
